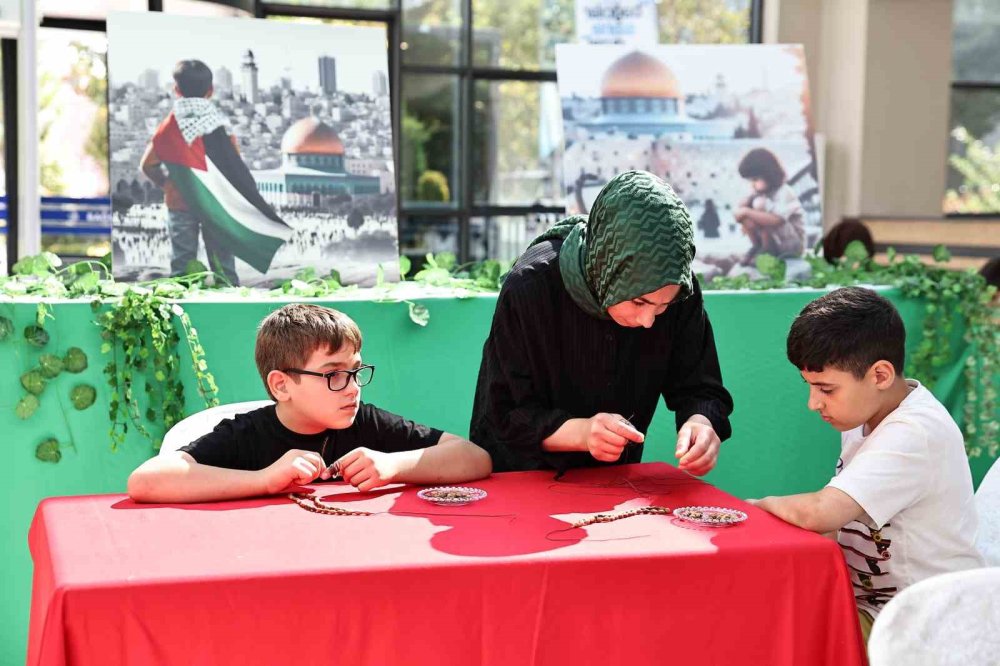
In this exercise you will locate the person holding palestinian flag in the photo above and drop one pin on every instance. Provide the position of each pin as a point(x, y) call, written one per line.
point(207, 186)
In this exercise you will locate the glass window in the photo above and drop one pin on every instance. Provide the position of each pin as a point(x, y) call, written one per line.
point(506, 237)
point(518, 143)
point(339, 4)
point(324, 21)
point(974, 158)
point(432, 32)
point(477, 239)
point(73, 142)
point(521, 34)
point(704, 22)
point(976, 43)
point(422, 235)
point(88, 9)
point(429, 147)
point(208, 7)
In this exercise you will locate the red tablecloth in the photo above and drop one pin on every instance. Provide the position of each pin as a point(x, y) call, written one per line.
point(265, 582)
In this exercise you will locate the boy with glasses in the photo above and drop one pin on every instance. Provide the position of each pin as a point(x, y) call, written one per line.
point(309, 358)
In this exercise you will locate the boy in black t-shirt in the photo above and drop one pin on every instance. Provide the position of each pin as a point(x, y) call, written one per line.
point(310, 360)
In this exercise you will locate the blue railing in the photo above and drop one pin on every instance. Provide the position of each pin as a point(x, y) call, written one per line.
point(67, 215)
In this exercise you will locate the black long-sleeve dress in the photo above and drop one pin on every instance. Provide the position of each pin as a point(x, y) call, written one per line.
point(547, 361)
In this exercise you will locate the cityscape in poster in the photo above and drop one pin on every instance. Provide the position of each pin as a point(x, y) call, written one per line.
point(282, 163)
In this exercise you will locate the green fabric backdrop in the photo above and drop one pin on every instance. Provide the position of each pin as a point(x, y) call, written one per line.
point(427, 374)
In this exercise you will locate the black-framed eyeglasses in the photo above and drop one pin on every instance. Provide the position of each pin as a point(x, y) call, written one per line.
point(337, 380)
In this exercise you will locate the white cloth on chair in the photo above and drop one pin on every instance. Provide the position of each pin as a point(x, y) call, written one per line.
point(988, 508)
point(204, 422)
point(951, 619)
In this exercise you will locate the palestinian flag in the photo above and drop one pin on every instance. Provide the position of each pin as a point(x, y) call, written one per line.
point(217, 186)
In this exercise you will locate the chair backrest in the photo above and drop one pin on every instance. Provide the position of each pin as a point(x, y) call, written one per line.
point(204, 422)
point(988, 508)
point(949, 619)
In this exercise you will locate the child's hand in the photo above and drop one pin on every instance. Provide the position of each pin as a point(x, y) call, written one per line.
point(366, 469)
point(296, 467)
point(765, 503)
point(697, 446)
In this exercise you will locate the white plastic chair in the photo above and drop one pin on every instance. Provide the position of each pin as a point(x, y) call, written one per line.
point(204, 422)
point(988, 508)
point(949, 619)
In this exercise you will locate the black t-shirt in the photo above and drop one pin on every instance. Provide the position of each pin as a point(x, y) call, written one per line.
point(254, 440)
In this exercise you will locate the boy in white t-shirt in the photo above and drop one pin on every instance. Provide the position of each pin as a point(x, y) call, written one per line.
point(901, 499)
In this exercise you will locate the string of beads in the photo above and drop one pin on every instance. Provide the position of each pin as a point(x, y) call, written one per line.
point(610, 517)
point(310, 502)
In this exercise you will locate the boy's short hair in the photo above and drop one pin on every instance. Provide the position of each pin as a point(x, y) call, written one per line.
point(288, 336)
point(762, 163)
point(193, 78)
point(849, 329)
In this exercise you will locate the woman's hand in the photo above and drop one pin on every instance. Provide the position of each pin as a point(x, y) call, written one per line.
point(697, 446)
point(608, 434)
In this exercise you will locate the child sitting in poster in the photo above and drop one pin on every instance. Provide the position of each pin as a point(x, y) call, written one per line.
point(772, 215)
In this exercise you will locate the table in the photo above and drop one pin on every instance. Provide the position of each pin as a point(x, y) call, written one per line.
point(263, 581)
point(426, 374)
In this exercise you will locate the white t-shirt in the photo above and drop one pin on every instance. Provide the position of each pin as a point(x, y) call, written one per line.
point(912, 478)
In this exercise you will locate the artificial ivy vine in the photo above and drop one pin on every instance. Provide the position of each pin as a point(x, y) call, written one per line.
point(47, 368)
point(141, 339)
point(143, 324)
point(139, 328)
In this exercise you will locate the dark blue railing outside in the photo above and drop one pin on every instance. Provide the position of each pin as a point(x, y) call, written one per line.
point(66, 215)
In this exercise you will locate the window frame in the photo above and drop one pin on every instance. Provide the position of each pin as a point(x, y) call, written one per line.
point(8, 52)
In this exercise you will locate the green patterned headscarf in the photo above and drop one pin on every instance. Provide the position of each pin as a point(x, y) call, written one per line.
point(637, 239)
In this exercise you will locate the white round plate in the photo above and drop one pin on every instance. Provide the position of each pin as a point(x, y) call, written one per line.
point(451, 495)
point(710, 516)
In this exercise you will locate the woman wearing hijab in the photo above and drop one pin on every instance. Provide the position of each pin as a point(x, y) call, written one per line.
point(597, 319)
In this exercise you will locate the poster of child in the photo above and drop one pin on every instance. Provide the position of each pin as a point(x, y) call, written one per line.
point(771, 215)
point(727, 126)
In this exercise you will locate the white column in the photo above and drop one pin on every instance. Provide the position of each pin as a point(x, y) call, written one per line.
point(29, 220)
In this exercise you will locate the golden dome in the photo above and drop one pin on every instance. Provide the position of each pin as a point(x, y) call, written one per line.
point(311, 137)
point(639, 75)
